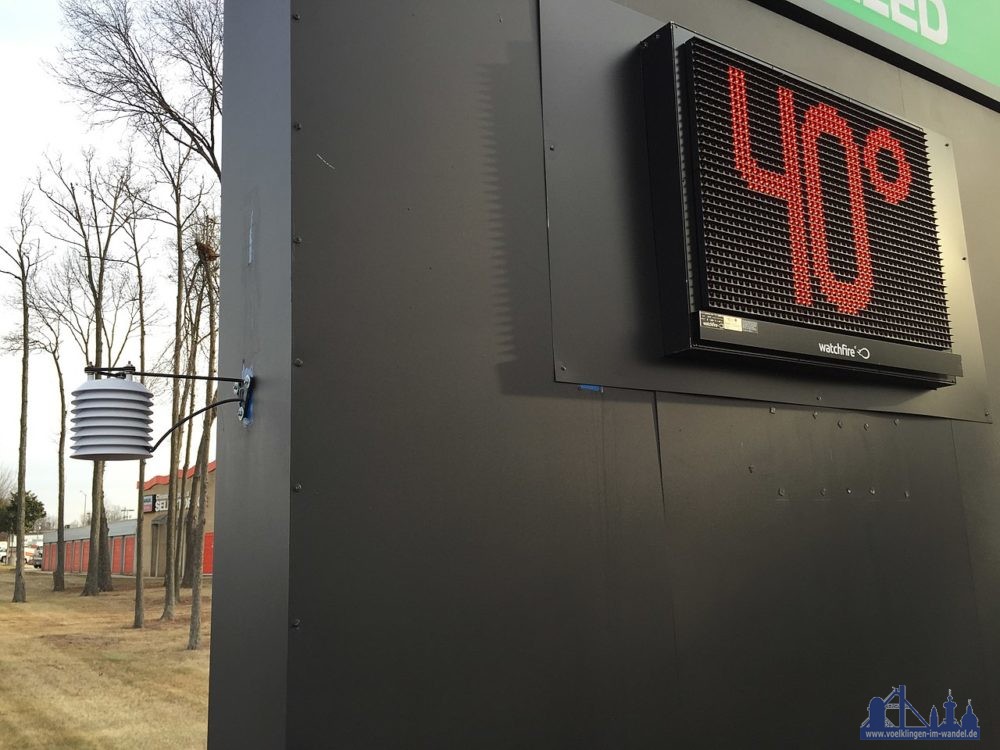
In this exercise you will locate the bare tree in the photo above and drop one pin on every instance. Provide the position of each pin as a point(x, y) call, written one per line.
point(117, 513)
point(138, 248)
point(185, 494)
point(8, 480)
point(194, 307)
point(183, 199)
point(90, 207)
point(8, 486)
point(23, 255)
point(206, 244)
point(156, 65)
point(174, 174)
point(46, 336)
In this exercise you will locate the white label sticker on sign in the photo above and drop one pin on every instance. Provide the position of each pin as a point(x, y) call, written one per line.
point(727, 322)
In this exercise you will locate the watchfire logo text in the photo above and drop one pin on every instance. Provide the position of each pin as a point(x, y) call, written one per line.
point(844, 350)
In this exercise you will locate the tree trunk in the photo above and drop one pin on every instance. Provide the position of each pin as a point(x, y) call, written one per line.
point(182, 561)
point(104, 581)
point(137, 559)
point(190, 392)
point(91, 586)
point(169, 598)
point(189, 534)
point(198, 553)
point(180, 539)
point(20, 593)
point(140, 614)
point(188, 562)
point(197, 562)
point(59, 577)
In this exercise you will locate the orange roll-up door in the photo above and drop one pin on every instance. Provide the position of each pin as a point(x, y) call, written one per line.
point(209, 555)
point(129, 566)
point(116, 555)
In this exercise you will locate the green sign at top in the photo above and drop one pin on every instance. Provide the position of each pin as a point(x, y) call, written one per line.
point(965, 33)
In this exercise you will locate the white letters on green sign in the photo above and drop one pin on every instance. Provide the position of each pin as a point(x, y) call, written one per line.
point(896, 8)
point(929, 18)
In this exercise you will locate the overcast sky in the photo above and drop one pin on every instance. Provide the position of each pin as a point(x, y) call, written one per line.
point(38, 118)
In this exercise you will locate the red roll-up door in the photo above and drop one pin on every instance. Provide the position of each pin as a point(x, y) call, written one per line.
point(116, 555)
point(209, 558)
point(85, 562)
point(129, 566)
point(74, 557)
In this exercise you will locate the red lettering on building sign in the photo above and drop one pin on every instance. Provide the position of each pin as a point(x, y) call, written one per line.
point(784, 186)
point(849, 297)
point(881, 139)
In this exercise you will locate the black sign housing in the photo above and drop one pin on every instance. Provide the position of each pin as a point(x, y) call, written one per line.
point(791, 222)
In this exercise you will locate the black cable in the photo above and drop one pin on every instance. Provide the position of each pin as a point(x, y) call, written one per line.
point(192, 416)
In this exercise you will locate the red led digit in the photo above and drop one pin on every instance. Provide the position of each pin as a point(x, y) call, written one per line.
point(848, 297)
point(881, 139)
point(785, 186)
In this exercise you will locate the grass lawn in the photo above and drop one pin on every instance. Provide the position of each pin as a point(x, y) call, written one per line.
point(75, 674)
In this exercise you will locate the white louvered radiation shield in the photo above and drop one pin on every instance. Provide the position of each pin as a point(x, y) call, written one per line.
point(111, 420)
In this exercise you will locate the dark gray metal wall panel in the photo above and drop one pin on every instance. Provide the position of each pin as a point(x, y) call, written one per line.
point(477, 557)
point(977, 447)
point(977, 156)
point(605, 305)
point(481, 557)
point(978, 450)
point(799, 605)
point(249, 625)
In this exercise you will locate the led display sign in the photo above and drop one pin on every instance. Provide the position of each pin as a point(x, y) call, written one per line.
point(791, 222)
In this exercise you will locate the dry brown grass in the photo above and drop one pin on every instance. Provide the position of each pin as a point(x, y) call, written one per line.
point(74, 674)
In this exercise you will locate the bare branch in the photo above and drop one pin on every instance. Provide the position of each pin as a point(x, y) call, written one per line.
point(91, 204)
point(122, 69)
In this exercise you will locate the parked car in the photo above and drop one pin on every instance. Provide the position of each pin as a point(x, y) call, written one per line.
point(36, 558)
